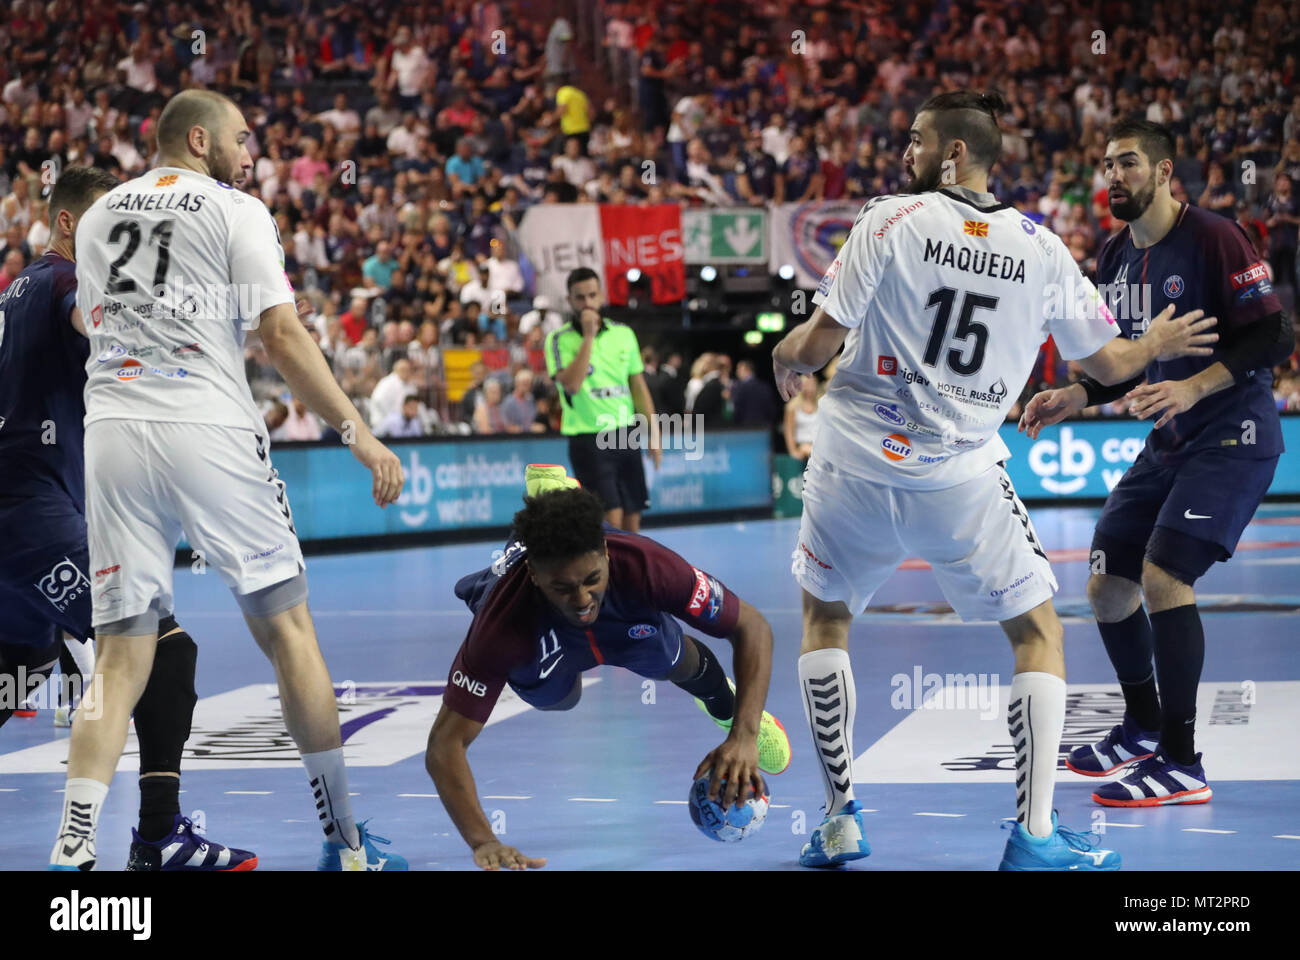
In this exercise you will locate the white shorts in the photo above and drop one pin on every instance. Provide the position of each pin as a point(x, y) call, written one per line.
point(976, 537)
point(147, 482)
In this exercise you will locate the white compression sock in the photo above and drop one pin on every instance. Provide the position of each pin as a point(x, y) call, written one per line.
point(75, 844)
point(329, 784)
point(1036, 719)
point(829, 700)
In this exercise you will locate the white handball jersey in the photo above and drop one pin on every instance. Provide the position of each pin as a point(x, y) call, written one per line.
point(948, 296)
point(171, 269)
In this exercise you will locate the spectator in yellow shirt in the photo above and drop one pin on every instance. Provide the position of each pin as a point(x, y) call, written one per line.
point(575, 113)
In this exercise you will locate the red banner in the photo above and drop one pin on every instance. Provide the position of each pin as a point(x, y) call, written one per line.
point(649, 238)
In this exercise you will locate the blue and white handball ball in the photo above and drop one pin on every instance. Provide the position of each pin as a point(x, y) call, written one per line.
point(734, 823)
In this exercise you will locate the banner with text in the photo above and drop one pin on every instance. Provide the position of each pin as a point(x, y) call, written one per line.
point(809, 235)
point(649, 238)
point(558, 238)
point(459, 484)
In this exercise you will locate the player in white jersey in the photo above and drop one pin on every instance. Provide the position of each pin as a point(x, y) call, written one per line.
point(941, 299)
point(172, 269)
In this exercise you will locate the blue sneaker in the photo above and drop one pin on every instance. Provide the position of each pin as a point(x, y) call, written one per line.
point(184, 850)
point(838, 840)
point(335, 857)
point(1157, 782)
point(1125, 744)
point(1065, 849)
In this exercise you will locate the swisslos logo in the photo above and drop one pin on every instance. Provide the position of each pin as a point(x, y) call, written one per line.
point(1252, 274)
point(897, 215)
point(896, 447)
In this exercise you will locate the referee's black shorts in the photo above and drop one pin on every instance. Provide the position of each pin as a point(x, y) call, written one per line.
point(615, 475)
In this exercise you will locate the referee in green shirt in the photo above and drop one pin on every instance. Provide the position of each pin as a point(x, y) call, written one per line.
point(596, 365)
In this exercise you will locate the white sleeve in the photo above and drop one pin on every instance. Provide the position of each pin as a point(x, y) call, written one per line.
point(850, 283)
point(256, 259)
point(1076, 315)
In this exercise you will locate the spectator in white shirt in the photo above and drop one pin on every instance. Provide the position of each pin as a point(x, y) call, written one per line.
point(409, 69)
point(576, 168)
point(541, 315)
point(138, 68)
point(391, 390)
point(342, 118)
point(504, 278)
point(474, 291)
point(404, 139)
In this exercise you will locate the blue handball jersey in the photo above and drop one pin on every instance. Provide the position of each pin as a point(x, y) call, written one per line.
point(1204, 262)
point(42, 376)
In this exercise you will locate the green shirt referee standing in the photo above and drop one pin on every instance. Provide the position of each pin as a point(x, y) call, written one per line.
point(606, 409)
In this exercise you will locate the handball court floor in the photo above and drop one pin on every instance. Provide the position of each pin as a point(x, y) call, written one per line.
point(604, 786)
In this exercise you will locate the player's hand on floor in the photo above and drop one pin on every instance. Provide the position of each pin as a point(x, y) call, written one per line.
point(1047, 408)
point(384, 466)
point(1185, 336)
point(497, 856)
point(787, 381)
point(736, 762)
point(1167, 398)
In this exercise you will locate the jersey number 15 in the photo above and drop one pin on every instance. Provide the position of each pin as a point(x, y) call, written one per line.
point(943, 298)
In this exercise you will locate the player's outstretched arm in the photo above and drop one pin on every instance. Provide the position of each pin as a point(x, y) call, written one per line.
point(806, 349)
point(736, 760)
point(1167, 338)
point(448, 765)
point(296, 357)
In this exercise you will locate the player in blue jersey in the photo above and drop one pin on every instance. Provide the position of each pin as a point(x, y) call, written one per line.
point(1207, 463)
point(570, 593)
point(44, 572)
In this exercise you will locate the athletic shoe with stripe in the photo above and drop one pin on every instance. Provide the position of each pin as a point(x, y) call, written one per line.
point(335, 857)
point(185, 851)
point(1156, 782)
point(27, 708)
point(773, 742)
point(1126, 743)
point(837, 840)
point(1062, 849)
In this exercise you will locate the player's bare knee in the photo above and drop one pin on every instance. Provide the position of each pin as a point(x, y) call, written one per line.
point(1112, 598)
point(825, 624)
point(1164, 589)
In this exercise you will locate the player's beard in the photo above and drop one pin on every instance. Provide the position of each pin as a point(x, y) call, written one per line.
point(221, 166)
point(923, 181)
point(1133, 205)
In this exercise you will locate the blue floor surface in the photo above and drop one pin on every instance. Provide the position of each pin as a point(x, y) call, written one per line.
point(604, 786)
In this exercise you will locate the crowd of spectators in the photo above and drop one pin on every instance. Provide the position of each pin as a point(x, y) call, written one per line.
point(398, 145)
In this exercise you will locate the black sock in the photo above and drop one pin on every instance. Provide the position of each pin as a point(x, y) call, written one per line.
point(162, 724)
point(160, 802)
point(710, 685)
point(1179, 641)
point(1129, 645)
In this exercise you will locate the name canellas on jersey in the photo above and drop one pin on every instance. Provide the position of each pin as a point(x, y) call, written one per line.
point(172, 269)
point(948, 296)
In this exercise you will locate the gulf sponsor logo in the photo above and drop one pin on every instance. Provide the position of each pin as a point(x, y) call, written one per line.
point(130, 370)
point(896, 447)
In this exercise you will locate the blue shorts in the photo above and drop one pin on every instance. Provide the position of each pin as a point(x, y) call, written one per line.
point(44, 573)
point(547, 680)
point(1209, 496)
